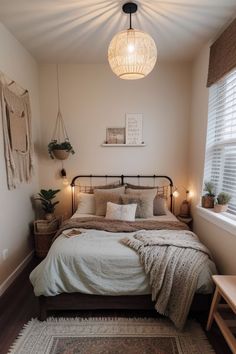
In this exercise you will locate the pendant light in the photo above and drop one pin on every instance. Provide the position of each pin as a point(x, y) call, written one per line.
point(132, 53)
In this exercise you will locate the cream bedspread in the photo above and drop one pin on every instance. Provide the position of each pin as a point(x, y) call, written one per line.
point(96, 262)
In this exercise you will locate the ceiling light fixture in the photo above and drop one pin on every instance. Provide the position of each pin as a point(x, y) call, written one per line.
point(132, 53)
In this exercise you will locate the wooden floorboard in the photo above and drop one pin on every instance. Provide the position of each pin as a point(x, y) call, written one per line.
point(18, 305)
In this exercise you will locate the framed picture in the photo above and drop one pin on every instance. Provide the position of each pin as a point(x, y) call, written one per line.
point(115, 136)
point(134, 128)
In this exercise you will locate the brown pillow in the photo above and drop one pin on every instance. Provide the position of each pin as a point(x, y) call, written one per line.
point(159, 206)
point(159, 203)
point(103, 197)
point(144, 204)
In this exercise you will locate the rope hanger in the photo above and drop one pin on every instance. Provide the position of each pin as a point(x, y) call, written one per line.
point(59, 132)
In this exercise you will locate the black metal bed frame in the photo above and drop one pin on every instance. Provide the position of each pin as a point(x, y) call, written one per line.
point(122, 179)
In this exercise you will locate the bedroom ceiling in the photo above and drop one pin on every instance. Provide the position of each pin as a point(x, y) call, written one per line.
point(79, 31)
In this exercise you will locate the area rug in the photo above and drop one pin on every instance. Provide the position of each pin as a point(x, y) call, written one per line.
point(110, 336)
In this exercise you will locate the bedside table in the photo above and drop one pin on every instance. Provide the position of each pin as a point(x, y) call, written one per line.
point(226, 289)
point(44, 231)
point(188, 221)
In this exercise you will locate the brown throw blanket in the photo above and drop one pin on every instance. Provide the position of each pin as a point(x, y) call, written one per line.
point(119, 226)
point(173, 260)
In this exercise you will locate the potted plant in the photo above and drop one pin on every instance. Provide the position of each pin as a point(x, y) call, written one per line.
point(46, 197)
point(209, 197)
point(222, 201)
point(60, 150)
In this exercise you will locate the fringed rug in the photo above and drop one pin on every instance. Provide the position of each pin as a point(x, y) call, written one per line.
point(110, 336)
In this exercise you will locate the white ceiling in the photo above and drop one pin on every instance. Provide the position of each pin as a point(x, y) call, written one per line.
point(80, 30)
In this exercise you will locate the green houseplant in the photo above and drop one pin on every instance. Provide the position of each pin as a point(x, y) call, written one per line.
point(46, 197)
point(209, 197)
point(60, 150)
point(222, 201)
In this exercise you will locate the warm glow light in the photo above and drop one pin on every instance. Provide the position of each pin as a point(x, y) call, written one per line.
point(132, 54)
point(176, 194)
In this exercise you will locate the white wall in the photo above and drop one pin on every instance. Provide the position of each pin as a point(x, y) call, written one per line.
point(16, 210)
point(221, 243)
point(93, 98)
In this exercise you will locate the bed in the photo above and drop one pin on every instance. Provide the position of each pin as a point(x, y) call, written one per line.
point(95, 270)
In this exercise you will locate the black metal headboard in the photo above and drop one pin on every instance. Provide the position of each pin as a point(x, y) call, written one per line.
point(122, 179)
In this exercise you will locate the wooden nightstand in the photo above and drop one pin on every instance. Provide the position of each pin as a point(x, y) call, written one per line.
point(226, 289)
point(44, 231)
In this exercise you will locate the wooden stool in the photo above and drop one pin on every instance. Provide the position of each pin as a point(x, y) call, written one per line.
point(225, 288)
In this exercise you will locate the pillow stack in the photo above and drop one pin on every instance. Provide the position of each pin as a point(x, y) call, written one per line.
point(122, 203)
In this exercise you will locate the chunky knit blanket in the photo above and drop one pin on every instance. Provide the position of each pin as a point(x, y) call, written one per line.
point(173, 260)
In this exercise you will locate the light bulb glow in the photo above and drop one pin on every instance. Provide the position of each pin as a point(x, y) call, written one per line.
point(176, 194)
point(131, 48)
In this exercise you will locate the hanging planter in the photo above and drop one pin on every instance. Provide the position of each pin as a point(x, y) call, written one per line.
point(60, 151)
point(60, 147)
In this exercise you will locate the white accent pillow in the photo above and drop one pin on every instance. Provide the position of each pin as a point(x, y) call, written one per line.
point(121, 212)
point(86, 204)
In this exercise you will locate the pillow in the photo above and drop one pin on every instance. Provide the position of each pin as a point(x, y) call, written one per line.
point(159, 203)
point(134, 186)
point(144, 204)
point(117, 190)
point(86, 204)
point(121, 212)
point(102, 197)
point(159, 206)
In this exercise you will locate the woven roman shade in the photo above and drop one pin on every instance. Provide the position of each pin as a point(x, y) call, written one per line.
point(222, 55)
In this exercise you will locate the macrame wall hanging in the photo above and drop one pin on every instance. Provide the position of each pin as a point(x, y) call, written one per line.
point(59, 146)
point(16, 123)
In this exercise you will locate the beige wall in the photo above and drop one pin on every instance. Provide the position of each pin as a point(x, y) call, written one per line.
point(16, 211)
point(221, 243)
point(93, 98)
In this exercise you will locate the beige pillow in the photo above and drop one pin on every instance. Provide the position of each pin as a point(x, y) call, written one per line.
point(102, 197)
point(86, 204)
point(159, 203)
point(144, 204)
point(121, 212)
point(160, 206)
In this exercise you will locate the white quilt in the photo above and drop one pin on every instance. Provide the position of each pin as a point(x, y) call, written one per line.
point(95, 262)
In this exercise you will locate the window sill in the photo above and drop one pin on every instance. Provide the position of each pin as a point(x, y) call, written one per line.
point(221, 220)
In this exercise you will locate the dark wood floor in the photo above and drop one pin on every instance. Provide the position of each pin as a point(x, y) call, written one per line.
point(18, 305)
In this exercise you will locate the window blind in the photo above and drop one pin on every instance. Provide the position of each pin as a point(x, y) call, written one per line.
point(220, 159)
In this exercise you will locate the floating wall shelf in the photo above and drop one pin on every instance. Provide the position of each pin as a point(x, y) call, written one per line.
point(123, 145)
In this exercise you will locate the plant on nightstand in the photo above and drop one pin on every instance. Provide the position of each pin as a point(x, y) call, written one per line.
point(222, 201)
point(209, 197)
point(46, 197)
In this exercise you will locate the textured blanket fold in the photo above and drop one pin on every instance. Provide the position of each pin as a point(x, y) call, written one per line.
point(173, 260)
point(119, 226)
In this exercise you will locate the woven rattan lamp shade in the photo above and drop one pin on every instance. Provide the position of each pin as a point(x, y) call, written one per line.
point(132, 54)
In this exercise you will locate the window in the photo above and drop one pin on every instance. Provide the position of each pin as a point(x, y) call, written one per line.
point(220, 159)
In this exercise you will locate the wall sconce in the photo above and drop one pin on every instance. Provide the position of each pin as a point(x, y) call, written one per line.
point(64, 177)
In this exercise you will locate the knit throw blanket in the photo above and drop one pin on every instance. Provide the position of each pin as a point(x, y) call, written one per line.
point(173, 260)
point(118, 225)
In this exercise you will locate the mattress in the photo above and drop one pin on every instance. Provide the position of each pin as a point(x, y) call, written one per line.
point(96, 262)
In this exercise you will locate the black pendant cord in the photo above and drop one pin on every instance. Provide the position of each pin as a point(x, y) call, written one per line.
point(130, 8)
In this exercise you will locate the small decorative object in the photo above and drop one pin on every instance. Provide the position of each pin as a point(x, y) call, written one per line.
point(134, 128)
point(60, 151)
point(46, 197)
point(132, 53)
point(115, 136)
point(222, 201)
point(209, 198)
point(60, 146)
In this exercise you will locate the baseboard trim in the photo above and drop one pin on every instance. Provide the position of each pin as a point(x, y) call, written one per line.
point(5, 285)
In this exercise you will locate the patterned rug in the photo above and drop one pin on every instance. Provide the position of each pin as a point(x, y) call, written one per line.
point(110, 336)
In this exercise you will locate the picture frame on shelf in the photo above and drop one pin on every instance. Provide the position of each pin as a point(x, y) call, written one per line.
point(115, 135)
point(134, 129)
